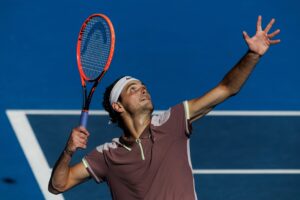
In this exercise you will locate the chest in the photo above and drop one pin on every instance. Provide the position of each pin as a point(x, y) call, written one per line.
point(140, 165)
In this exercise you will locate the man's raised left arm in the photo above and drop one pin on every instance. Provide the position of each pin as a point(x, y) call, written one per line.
point(237, 76)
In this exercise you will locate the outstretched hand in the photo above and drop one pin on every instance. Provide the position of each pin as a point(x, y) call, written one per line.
point(262, 40)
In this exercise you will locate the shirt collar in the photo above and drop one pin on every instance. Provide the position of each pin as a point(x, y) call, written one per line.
point(129, 141)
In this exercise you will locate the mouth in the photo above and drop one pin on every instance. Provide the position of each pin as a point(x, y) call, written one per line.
point(145, 98)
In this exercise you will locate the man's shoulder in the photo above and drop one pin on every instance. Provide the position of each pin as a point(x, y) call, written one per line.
point(114, 144)
point(162, 117)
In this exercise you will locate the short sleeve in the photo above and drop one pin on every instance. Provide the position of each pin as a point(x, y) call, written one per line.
point(180, 117)
point(96, 165)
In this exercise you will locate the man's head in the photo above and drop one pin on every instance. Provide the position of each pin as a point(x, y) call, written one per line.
point(126, 95)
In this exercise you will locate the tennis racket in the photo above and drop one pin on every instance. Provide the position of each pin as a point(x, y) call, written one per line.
point(95, 49)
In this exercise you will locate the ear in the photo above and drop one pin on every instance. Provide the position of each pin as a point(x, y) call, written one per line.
point(118, 107)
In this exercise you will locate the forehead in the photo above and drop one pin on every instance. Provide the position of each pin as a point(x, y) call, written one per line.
point(133, 82)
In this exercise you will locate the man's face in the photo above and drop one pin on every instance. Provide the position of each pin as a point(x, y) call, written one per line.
point(135, 97)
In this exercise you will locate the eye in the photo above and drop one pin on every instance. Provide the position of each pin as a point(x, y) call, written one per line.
point(132, 89)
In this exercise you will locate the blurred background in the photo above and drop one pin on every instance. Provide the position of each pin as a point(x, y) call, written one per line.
point(179, 49)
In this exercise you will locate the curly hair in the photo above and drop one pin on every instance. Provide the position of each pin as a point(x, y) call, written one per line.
point(114, 116)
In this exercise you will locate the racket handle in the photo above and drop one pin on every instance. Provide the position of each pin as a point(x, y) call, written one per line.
point(84, 118)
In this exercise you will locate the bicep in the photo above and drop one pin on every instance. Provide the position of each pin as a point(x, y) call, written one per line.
point(78, 174)
point(200, 106)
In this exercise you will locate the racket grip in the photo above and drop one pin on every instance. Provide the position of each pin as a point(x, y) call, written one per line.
point(84, 118)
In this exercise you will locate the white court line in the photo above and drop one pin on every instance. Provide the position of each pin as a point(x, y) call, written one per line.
point(42, 171)
point(33, 151)
point(60, 112)
point(255, 113)
point(247, 171)
point(212, 113)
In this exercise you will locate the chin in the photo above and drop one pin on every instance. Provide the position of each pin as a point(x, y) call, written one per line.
point(148, 106)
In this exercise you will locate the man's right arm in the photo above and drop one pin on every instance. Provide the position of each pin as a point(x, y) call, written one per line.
point(63, 176)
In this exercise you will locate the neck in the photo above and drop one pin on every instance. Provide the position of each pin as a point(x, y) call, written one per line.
point(135, 124)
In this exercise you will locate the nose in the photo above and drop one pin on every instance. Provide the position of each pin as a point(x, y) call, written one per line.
point(143, 89)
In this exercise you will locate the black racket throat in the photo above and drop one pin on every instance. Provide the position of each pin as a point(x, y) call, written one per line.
point(87, 97)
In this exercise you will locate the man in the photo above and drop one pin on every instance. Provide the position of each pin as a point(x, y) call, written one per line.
point(151, 159)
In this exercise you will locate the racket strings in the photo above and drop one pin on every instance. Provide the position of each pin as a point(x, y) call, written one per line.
point(95, 47)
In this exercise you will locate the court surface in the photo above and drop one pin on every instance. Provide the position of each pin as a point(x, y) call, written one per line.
point(248, 148)
point(235, 155)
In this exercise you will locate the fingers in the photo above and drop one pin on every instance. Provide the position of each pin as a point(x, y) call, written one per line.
point(81, 137)
point(78, 139)
point(269, 26)
point(270, 36)
point(267, 29)
point(246, 36)
point(258, 24)
point(83, 130)
point(274, 41)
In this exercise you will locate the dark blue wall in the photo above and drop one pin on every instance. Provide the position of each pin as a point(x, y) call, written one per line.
point(180, 49)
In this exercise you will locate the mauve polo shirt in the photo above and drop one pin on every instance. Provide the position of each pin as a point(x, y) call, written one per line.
point(156, 166)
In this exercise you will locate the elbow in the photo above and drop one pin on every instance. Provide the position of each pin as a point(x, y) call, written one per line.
point(234, 91)
point(54, 189)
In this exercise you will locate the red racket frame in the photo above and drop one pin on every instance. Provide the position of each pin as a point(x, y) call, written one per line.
point(83, 77)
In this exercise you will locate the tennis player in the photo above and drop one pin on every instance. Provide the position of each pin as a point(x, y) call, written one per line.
point(151, 159)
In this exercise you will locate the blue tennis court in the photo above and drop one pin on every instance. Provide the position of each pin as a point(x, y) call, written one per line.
point(247, 148)
point(255, 160)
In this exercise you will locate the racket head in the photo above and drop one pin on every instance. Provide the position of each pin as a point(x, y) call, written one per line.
point(95, 47)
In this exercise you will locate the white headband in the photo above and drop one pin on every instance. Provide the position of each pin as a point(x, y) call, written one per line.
point(117, 89)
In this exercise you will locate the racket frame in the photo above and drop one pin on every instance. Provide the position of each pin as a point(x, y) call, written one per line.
point(88, 97)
